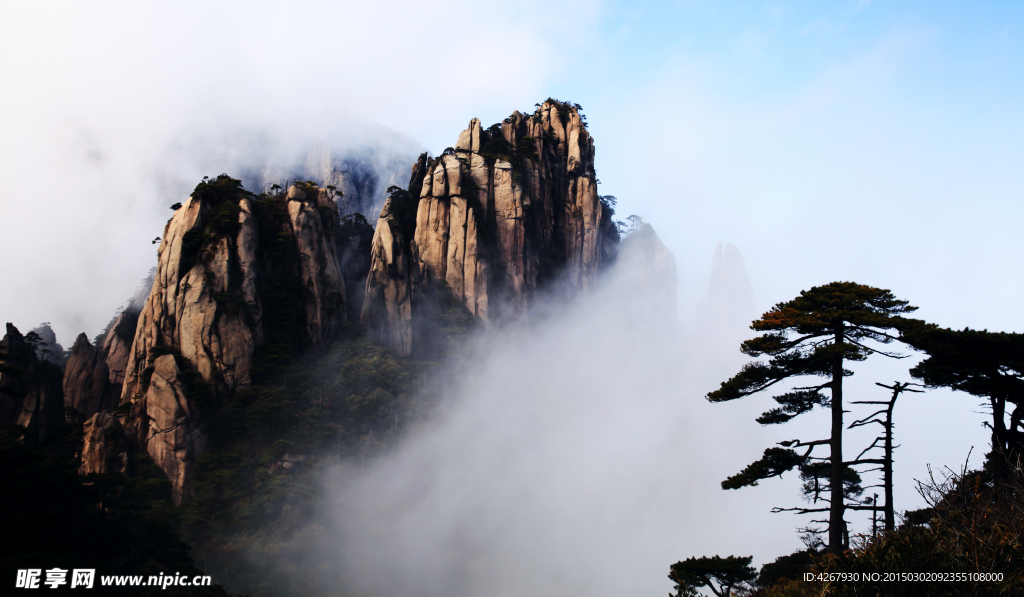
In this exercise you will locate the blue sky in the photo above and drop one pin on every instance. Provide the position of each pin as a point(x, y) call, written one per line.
point(897, 126)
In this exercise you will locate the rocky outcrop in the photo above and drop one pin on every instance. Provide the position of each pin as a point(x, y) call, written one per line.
point(30, 389)
point(203, 302)
point(175, 435)
point(730, 287)
point(387, 305)
point(235, 275)
point(312, 220)
point(86, 383)
point(288, 463)
point(103, 446)
point(117, 345)
point(509, 210)
point(94, 374)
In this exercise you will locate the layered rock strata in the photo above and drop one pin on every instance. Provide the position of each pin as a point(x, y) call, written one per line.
point(509, 210)
point(227, 264)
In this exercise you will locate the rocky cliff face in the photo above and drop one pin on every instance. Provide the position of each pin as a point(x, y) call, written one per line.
point(244, 283)
point(173, 433)
point(103, 446)
point(116, 341)
point(387, 302)
point(509, 210)
point(235, 275)
point(117, 345)
point(87, 386)
point(30, 389)
point(93, 380)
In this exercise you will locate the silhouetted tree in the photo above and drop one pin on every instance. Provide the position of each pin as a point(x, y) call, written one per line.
point(884, 418)
point(814, 334)
point(718, 574)
point(985, 364)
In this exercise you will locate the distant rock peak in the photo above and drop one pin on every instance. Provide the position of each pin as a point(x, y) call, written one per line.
point(360, 176)
point(725, 314)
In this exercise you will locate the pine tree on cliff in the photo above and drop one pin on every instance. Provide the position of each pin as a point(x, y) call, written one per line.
point(814, 334)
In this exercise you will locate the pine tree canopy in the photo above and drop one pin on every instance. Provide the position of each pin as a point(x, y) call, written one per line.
point(774, 462)
point(980, 363)
point(800, 337)
point(694, 573)
point(815, 475)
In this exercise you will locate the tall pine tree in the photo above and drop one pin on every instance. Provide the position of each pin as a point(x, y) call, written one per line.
point(815, 334)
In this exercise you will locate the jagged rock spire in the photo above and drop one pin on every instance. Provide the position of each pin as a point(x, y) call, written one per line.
point(509, 210)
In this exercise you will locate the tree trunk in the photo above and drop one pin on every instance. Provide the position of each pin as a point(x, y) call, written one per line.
point(835, 517)
point(890, 512)
point(998, 422)
point(1013, 437)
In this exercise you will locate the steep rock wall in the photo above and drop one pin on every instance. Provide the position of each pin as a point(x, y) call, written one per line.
point(387, 303)
point(103, 445)
point(509, 210)
point(227, 264)
point(117, 346)
point(116, 340)
point(87, 386)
